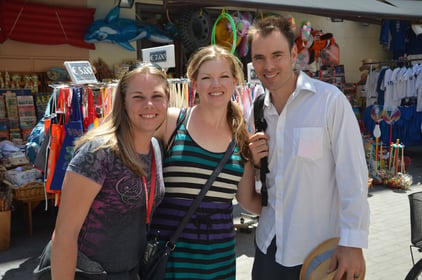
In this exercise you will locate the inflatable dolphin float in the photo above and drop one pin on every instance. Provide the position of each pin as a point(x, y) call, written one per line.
point(120, 31)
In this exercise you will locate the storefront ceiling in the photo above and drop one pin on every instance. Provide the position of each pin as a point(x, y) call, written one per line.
point(358, 10)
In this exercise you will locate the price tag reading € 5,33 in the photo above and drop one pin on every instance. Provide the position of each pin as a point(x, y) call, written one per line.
point(80, 72)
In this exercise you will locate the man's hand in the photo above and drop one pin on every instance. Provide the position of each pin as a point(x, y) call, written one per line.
point(349, 262)
point(258, 145)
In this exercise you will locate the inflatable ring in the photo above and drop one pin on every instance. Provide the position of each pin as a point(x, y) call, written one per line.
point(195, 29)
point(225, 15)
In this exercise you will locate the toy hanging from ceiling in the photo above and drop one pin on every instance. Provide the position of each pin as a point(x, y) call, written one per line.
point(230, 31)
point(44, 24)
point(314, 44)
point(121, 31)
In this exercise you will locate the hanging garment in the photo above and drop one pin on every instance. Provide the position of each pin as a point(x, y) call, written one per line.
point(73, 129)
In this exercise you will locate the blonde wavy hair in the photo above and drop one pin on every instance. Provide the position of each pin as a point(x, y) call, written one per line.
point(235, 116)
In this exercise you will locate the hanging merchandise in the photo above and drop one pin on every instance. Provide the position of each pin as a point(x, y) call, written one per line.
point(181, 93)
point(376, 115)
point(56, 139)
point(302, 61)
point(42, 154)
point(292, 21)
point(89, 110)
point(224, 32)
point(73, 129)
point(391, 116)
point(331, 54)
point(245, 94)
point(194, 29)
point(63, 122)
point(122, 31)
point(106, 100)
point(305, 33)
point(321, 41)
point(220, 34)
point(244, 22)
point(318, 44)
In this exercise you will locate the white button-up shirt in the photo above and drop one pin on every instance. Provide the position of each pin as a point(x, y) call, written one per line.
point(318, 179)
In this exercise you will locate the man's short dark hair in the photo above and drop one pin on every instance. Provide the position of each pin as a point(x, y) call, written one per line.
point(273, 23)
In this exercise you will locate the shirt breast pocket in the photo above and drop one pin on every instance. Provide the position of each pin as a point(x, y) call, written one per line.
point(308, 142)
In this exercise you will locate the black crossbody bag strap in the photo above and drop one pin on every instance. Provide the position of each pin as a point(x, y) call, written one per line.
point(171, 243)
point(180, 120)
point(261, 125)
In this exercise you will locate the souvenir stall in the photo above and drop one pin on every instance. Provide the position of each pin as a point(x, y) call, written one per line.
point(393, 117)
point(33, 172)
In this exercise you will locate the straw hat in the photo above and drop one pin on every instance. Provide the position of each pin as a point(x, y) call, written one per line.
point(417, 28)
point(366, 64)
point(317, 262)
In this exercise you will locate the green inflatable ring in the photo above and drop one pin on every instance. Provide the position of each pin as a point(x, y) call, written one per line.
point(234, 30)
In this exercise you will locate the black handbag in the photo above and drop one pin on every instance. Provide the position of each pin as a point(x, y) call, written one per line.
point(157, 254)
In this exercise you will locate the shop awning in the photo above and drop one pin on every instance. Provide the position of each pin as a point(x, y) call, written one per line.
point(359, 10)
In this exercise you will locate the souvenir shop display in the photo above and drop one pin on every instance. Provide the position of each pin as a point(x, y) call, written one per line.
point(318, 50)
point(18, 117)
point(396, 86)
point(73, 110)
point(12, 81)
point(387, 164)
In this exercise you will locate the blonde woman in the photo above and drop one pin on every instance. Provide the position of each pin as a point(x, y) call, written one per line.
point(206, 248)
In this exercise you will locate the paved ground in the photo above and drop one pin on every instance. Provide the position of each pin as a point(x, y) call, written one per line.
point(388, 255)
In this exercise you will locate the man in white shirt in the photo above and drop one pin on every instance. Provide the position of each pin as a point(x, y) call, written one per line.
point(317, 180)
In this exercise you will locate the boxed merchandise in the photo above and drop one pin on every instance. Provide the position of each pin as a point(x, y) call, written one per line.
point(2, 107)
point(11, 104)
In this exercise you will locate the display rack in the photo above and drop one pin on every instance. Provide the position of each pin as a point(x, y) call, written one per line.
point(333, 74)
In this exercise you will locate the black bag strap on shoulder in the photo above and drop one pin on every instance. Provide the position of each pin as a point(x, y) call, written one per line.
point(180, 120)
point(261, 125)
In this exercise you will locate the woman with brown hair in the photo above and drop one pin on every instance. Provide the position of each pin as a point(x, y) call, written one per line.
point(114, 182)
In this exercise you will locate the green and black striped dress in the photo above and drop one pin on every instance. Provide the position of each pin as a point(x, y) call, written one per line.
point(206, 248)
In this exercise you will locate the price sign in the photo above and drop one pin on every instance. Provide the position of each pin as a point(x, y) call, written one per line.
point(80, 72)
point(163, 56)
point(252, 77)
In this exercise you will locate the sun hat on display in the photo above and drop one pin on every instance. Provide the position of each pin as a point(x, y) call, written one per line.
point(317, 262)
point(417, 28)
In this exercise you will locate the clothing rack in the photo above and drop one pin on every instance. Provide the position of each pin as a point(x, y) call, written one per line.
point(98, 85)
point(178, 80)
point(392, 61)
